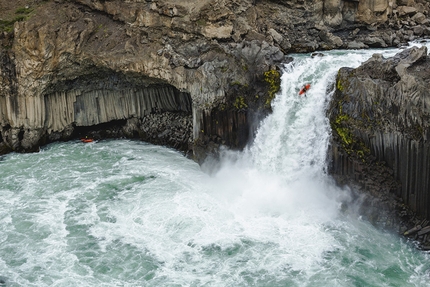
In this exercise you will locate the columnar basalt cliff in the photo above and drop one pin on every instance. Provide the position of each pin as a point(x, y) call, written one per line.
point(380, 115)
point(192, 75)
point(79, 64)
point(197, 74)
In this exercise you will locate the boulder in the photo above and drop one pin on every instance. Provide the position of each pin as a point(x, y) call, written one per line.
point(406, 10)
point(356, 45)
point(329, 41)
point(420, 18)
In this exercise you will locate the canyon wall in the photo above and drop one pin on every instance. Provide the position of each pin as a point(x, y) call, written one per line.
point(75, 64)
point(193, 75)
point(380, 116)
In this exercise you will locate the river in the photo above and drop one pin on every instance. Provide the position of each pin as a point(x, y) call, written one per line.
point(127, 213)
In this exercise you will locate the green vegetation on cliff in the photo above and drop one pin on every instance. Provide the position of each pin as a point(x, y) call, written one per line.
point(239, 103)
point(7, 21)
point(273, 78)
point(352, 145)
point(339, 125)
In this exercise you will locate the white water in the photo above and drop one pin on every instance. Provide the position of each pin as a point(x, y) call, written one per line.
point(124, 213)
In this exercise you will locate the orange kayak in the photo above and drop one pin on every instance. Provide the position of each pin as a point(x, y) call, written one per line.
point(87, 140)
point(304, 89)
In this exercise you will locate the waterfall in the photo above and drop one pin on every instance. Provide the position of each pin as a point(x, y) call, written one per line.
point(126, 213)
point(283, 171)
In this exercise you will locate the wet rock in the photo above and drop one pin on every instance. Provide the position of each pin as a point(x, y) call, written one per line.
point(423, 231)
point(329, 41)
point(418, 30)
point(357, 45)
point(276, 36)
point(413, 230)
point(375, 41)
point(313, 55)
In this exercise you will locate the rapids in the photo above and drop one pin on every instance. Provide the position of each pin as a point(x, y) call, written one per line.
point(126, 213)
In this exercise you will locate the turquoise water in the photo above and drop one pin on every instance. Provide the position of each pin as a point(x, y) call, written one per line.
point(126, 213)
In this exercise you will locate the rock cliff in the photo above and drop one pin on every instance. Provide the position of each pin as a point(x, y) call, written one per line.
point(197, 74)
point(192, 75)
point(380, 116)
point(78, 64)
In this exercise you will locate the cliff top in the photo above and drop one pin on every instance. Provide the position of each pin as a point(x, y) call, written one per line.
point(14, 11)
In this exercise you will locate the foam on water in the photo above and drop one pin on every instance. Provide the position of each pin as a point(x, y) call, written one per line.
point(125, 213)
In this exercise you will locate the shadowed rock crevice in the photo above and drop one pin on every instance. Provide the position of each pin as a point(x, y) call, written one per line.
point(111, 99)
point(104, 104)
point(221, 126)
point(123, 109)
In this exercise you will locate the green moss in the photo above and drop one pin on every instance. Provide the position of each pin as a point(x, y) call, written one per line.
point(364, 148)
point(23, 10)
point(420, 129)
point(341, 118)
point(224, 69)
point(350, 144)
point(239, 103)
point(339, 126)
point(273, 78)
point(345, 136)
point(22, 15)
point(417, 132)
point(339, 85)
point(342, 131)
point(343, 82)
point(7, 25)
point(201, 22)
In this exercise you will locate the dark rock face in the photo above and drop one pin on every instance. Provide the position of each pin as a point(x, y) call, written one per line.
point(134, 69)
point(380, 116)
point(82, 65)
point(118, 64)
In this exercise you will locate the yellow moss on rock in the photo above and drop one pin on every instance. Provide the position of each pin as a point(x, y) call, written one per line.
point(345, 135)
point(273, 78)
point(339, 85)
point(239, 103)
point(348, 141)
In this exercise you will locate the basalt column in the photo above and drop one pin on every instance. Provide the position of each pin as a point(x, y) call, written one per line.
point(157, 113)
point(381, 126)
